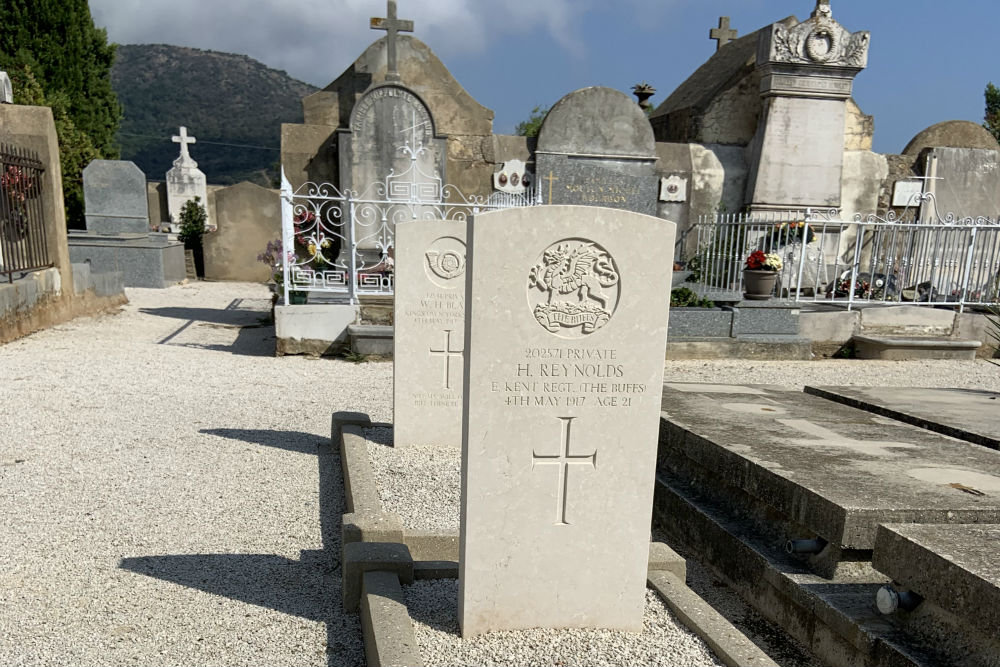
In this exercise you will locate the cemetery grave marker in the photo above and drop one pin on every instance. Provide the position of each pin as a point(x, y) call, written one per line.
point(429, 334)
point(566, 334)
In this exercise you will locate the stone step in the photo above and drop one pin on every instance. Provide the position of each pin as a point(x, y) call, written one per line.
point(900, 348)
point(370, 339)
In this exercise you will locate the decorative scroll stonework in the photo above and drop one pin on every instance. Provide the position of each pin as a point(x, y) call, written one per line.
point(583, 271)
point(819, 41)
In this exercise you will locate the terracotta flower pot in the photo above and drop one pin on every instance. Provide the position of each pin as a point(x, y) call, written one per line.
point(758, 284)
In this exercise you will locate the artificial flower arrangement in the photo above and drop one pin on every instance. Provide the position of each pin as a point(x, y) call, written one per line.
point(761, 261)
point(793, 232)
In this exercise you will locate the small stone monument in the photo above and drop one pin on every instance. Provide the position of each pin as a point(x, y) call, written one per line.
point(118, 236)
point(429, 333)
point(596, 148)
point(566, 331)
point(185, 181)
point(6, 90)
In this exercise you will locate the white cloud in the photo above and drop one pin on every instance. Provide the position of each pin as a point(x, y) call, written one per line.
point(315, 40)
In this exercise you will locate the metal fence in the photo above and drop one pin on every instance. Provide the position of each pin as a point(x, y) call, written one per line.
point(868, 260)
point(23, 245)
point(343, 243)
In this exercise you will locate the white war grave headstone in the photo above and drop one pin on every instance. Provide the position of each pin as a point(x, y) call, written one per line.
point(566, 331)
point(429, 333)
point(185, 181)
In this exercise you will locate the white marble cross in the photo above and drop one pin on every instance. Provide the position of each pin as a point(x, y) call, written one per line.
point(393, 26)
point(184, 140)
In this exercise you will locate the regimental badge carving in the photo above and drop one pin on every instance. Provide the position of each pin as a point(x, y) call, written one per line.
point(445, 261)
point(573, 290)
point(673, 189)
point(512, 178)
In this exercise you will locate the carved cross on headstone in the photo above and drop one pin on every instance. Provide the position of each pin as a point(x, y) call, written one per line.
point(564, 460)
point(393, 26)
point(183, 139)
point(723, 34)
point(447, 353)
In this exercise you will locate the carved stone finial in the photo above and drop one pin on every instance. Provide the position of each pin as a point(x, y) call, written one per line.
point(822, 10)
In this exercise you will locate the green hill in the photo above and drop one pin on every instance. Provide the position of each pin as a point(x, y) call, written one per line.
point(222, 98)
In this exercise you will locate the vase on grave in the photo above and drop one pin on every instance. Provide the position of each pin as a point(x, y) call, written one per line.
point(758, 284)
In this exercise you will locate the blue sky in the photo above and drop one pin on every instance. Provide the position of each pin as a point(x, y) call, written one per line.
point(929, 61)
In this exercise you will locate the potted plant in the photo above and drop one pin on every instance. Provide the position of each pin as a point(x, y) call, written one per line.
point(193, 219)
point(760, 273)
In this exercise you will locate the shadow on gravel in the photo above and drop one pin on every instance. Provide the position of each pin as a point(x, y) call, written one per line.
point(309, 587)
point(255, 338)
point(292, 441)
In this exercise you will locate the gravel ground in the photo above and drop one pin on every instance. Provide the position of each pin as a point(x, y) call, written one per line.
point(160, 504)
point(163, 504)
point(663, 641)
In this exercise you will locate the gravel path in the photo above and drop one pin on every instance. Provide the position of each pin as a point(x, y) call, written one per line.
point(169, 497)
point(160, 503)
point(663, 641)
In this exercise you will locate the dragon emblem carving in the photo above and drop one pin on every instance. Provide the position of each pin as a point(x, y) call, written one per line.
point(586, 274)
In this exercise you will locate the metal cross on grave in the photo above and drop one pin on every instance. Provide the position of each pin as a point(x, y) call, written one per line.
point(184, 140)
point(722, 35)
point(393, 26)
point(564, 460)
point(447, 353)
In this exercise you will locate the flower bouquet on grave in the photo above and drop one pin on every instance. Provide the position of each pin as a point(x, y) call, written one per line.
point(272, 256)
point(16, 187)
point(760, 274)
point(787, 233)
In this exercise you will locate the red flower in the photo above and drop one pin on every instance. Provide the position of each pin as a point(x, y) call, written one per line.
point(756, 260)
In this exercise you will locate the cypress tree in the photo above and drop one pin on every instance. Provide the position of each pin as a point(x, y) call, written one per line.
point(57, 57)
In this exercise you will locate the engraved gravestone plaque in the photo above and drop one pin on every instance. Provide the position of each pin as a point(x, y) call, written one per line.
point(429, 334)
point(564, 347)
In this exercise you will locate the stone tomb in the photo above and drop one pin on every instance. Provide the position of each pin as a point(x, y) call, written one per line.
point(565, 335)
point(822, 469)
point(118, 236)
point(429, 334)
point(114, 196)
point(954, 568)
point(967, 414)
point(596, 148)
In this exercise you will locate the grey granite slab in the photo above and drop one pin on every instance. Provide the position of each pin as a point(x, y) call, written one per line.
point(833, 469)
point(955, 567)
point(967, 414)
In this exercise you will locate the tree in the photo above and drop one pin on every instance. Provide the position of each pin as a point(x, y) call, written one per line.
point(992, 110)
point(530, 127)
point(57, 57)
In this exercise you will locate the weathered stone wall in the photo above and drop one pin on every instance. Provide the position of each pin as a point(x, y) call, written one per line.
point(248, 216)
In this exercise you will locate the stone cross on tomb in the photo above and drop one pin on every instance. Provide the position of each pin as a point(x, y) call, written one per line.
point(822, 9)
point(393, 26)
point(447, 353)
point(564, 460)
point(723, 34)
point(183, 139)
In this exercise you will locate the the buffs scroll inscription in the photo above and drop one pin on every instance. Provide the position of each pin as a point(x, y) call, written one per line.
point(564, 346)
point(429, 334)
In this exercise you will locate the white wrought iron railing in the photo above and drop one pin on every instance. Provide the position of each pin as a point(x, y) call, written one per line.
point(868, 260)
point(344, 242)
